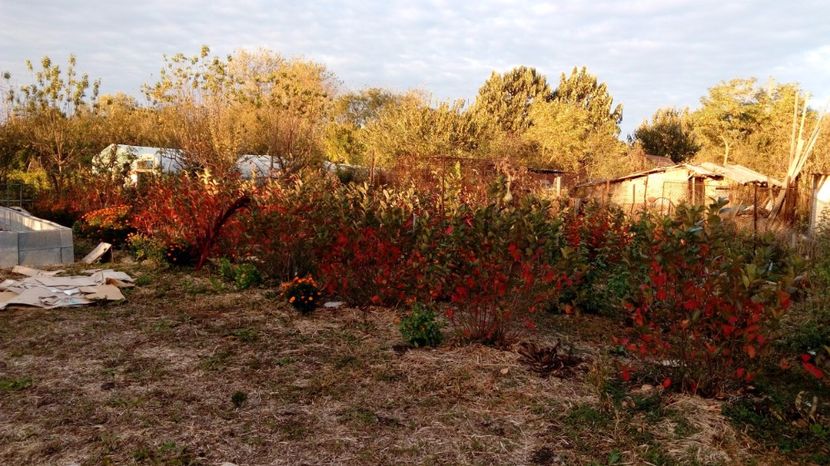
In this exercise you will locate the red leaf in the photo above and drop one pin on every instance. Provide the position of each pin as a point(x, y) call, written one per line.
point(813, 370)
point(750, 351)
point(514, 251)
point(666, 382)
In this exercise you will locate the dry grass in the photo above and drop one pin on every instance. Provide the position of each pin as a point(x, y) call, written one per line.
point(154, 380)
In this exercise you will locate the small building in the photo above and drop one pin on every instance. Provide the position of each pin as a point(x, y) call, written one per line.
point(665, 186)
point(257, 166)
point(135, 162)
point(741, 175)
point(820, 204)
point(661, 187)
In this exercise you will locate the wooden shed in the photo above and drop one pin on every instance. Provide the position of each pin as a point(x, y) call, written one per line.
point(820, 204)
point(660, 187)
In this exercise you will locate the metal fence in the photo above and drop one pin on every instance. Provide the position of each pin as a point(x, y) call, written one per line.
point(16, 195)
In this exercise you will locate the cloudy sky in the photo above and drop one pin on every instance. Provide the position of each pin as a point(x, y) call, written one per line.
point(652, 53)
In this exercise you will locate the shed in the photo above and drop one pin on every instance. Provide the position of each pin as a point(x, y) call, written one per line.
point(820, 203)
point(661, 186)
point(739, 174)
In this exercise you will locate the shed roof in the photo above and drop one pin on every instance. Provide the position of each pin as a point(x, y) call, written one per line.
point(741, 174)
point(138, 151)
point(695, 171)
point(659, 161)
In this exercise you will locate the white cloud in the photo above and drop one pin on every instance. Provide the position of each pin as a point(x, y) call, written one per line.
point(651, 53)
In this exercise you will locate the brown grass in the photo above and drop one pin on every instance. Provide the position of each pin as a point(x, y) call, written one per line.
point(151, 381)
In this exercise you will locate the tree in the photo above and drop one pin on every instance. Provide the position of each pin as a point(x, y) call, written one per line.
point(728, 114)
point(669, 134)
point(741, 122)
point(352, 112)
point(567, 139)
point(582, 89)
point(504, 100)
point(410, 129)
point(217, 109)
point(56, 117)
point(124, 121)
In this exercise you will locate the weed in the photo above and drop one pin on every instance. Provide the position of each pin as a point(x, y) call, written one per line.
point(245, 334)
point(239, 398)
point(14, 385)
point(420, 328)
point(586, 416)
point(215, 361)
point(243, 276)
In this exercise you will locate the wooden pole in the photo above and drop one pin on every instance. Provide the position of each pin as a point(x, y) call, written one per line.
point(755, 210)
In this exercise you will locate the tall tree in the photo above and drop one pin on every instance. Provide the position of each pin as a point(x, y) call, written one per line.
point(669, 134)
point(504, 100)
point(728, 114)
point(410, 129)
point(567, 139)
point(250, 102)
point(55, 115)
point(582, 89)
point(352, 112)
point(742, 122)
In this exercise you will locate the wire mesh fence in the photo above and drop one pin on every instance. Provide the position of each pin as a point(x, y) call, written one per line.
point(16, 195)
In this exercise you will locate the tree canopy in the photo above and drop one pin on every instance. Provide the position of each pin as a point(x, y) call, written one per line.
point(504, 100)
point(582, 89)
point(669, 134)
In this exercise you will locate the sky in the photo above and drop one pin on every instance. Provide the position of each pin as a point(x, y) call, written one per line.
point(651, 53)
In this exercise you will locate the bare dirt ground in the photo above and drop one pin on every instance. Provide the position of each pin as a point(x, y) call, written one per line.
point(189, 371)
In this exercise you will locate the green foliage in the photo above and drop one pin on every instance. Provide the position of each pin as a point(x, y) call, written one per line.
point(144, 247)
point(420, 328)
point(583, 90)
point(775, 420)
point(13, 385)
point(568, 139)
point(55, 117)
point(215, 108)
point(576, 128)
point(504, 100)
point(238, 399)
point(710, 297)
point(743, 122)
point(244, 275)
point(410, 129)
point(669, 134)
point(344, 138)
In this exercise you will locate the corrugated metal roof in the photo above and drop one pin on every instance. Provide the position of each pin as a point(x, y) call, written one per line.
point(741, 174)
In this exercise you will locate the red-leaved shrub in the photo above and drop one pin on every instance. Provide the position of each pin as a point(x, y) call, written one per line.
point(188, 213)
point(708, 302)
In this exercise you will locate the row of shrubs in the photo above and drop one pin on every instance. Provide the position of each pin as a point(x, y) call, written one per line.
point(699, 297)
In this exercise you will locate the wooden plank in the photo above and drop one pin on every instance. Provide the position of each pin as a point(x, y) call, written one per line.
point(96, 254)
